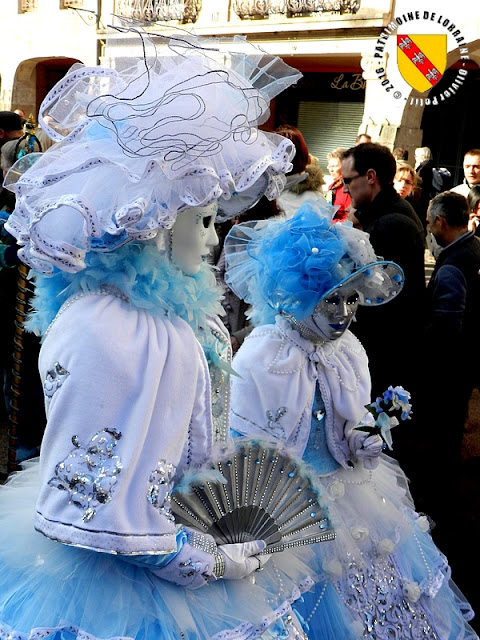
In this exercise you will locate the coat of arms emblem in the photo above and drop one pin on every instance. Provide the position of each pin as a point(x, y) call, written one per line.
point(422, 59)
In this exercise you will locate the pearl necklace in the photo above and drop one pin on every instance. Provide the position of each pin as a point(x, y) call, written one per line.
point(103, 291)
point(305, 332)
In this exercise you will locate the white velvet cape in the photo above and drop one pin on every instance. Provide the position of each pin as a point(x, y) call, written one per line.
point(146, 377)
point(278, 369)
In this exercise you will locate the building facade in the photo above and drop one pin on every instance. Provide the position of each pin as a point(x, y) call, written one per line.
point(347, 50)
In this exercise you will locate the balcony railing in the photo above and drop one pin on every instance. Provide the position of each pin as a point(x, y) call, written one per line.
point(24, 6)
point(159, 10)
point(71, 4)
point(263, 8)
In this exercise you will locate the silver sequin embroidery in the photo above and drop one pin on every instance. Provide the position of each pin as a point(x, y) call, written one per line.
point(54, 379)
point(159, 492)
point(374, 591)
point(273, 422)
point(89, 473)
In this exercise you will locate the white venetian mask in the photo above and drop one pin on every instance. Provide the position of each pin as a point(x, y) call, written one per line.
point(193, 235)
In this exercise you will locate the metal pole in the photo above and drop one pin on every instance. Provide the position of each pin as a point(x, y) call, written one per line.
point(15, 420)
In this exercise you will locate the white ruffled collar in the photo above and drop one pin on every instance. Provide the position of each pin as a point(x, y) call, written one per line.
point(342, 362)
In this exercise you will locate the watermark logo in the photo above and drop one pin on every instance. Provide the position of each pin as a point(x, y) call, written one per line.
point(421, 40)
point(422, 59)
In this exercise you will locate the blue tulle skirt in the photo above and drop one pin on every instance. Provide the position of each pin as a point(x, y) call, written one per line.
point(383, 578)
point(50, 589)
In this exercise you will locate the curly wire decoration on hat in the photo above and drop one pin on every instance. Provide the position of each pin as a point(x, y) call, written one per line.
point(187, 146)
point(164, 128)
point(182, 146)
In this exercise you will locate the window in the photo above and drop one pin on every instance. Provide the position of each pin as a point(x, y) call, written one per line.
point(328, 125)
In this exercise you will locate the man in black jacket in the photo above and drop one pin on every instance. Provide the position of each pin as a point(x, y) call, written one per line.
point(451, 356)
point(391, 334)
point(453, 312)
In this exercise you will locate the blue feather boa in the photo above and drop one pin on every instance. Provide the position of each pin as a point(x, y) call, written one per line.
point(146, 277)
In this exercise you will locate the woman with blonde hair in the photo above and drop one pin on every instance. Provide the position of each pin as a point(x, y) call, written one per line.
point(409, 185)
point(335, 195)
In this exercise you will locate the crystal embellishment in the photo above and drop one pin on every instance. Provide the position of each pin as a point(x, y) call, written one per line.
point(273, 422)
point(159, 492)
point(89, 472)
point(54, 379)
point(374, 591)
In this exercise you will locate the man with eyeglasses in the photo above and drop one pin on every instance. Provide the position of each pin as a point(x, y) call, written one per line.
point(392, 335)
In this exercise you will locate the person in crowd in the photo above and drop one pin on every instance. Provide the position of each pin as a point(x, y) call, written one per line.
point(409, 186)
point(315, 180)
point(405, 180)
point(335, 194)
point(424, 167)
point(423, 158)
point(305, 180)
point(399, 153)
point(453, 310)
point(451, 354)
point(396, 234)
point(117, 226)
point(235, 316)
point(362, 138)
point(8, 290)
point(11, 126)
point(303, 380)
point(45, 141)
point(473, 201)
point(471, 171)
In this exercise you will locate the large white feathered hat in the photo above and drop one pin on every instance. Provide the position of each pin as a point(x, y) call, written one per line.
point(171, 124)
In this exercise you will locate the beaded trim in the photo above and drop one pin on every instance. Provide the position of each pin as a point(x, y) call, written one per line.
point(113, 542)
point(219, 565)
point(103, 291)
point(200, 541)
point(257, 426)
point(272, 365)
point(220, 387)
point(305, 332)
point(317, 604)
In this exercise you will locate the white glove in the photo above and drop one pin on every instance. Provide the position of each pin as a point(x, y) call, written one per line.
point(240, 559)
point(367, 448)
point(193, 565)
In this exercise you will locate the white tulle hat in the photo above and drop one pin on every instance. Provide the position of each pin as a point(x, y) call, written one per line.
point(173, 123)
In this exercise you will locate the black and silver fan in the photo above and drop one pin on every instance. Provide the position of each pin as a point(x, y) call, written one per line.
point(265, 497)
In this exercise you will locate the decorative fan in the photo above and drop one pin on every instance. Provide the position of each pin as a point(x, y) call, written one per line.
point(265, 497)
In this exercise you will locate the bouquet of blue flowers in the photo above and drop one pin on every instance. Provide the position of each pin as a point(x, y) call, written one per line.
point(388, 410)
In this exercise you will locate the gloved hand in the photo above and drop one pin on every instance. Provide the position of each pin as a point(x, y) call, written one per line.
point(240, 559)
point(367, 448)
point(192, 566)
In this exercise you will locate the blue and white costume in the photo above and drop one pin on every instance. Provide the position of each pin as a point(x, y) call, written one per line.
point(382, 577)
point(89, 547)
point(114, 446)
